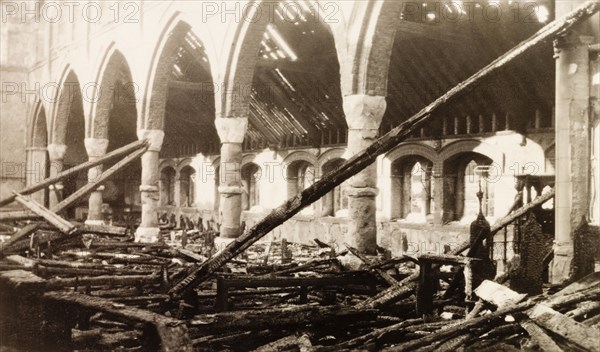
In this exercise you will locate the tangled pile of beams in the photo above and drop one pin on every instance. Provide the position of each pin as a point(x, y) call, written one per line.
point(68, 286)
point(104, 292)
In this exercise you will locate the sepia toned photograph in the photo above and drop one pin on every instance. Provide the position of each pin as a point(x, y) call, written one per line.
point(299, 175)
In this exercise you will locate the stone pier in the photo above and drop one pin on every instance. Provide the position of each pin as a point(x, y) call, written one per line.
point(56, 155)
point(363, 115)
point(96, 148)
point(572, 144)
point(36, 170)
point(148, 230)
point(231, 132)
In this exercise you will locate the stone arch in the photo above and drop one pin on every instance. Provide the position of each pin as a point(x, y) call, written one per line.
point(167, 163)
point(299, 155)
point(327, 156)
point(369, 69)
point(407, 149)
point(247, 159)
point(155, 101)
point(38, 134)
point(185, 162)
point(472, 145)
point(116, 89)
point(67, 99)
point(243, 57)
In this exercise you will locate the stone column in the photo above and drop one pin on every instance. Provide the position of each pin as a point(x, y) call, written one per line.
point(148, 230)
point(36, 170)
point(56, 154)
point(438, 192)
point(572, 148)
point(231, 131)
point(96, 148)
point(363, 115)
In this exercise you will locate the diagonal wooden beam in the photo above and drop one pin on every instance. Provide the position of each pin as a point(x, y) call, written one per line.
point(365, 158)
point(89, 164)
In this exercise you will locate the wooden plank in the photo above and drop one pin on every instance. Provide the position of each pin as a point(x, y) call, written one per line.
point(173, 333)
point(540, 337)
point(19, 260)
point(499, 295)
point(67, 173)
point(22, 233)
point(384, 275)
point(63, 225)
point(575, 332)
point(383, 145)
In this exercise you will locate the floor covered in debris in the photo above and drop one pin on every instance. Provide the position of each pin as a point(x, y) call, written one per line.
point(102, 291)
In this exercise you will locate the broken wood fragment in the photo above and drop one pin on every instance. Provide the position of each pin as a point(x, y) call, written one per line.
point(499, 295)
point(173, 333)
point(575, 332)
point(545, 342)
point(63, 225)
point(384, 275)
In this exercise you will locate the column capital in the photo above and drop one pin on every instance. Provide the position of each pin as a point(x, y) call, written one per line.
point(231, 129)
point(154, 137)
point(57, 151)
point(364, 112)
point(96, 147)
point(572, 40)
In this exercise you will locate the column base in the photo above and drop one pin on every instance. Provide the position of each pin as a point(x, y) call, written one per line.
point(222, 242)
point(94, 222)
point(230, 232)
point(562, 263)
point(147, 234)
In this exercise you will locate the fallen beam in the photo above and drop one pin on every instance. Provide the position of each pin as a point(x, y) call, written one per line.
point(83, 191)
point(172, 332)
point(405, 288)
point(575, 332)
point(383, 145)
point(61, 224)
point(67, 173)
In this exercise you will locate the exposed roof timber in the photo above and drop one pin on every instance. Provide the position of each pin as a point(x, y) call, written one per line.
point(292, 108)
point(191, 86)
point(291, 66)
point(201, 59)
point(439, 32)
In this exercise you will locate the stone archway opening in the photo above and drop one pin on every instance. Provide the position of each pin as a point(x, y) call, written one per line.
point(295, 98)
point(68, 141)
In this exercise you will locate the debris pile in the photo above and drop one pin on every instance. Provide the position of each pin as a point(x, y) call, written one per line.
point(102, 291)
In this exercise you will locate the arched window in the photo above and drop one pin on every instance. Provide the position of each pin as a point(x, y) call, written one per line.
point(300, 175)
point(335, 201)
point(464, 175)
point(187, 187)
point(412, 189)
point(167, 186)
point(475, 176)
point(250, 181)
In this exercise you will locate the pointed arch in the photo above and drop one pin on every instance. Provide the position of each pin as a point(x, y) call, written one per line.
point(116, 90)
point(68, 108)
point(369, 70)
point(38, 134)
